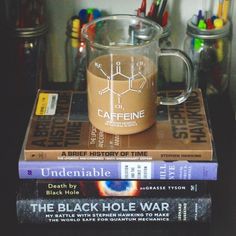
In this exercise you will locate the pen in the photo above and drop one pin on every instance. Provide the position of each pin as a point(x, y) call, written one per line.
point(164, 20)
point(143, 8)
point(200, 16)
point(161, 10)
point(213, 18)
point(89, 12)
point(139, 13)
point(220, 8)
point(83, 16)
point(202, 24)
point(209, 24)
point(198, 43)
point(151, 13)
point(218, 23)
point(194, 20)
point(96, 13)
point(75, 33)
point(207, 15)
point(157, 5)
point(225, 10)
point(204, 11)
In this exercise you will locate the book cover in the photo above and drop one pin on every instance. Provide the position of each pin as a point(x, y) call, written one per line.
point(110, 188)
point(34, 209)
point(59, 130)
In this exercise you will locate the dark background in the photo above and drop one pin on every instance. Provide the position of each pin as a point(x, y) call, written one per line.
point(15, 111)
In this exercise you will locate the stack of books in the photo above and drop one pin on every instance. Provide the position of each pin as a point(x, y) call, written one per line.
point(71, 172)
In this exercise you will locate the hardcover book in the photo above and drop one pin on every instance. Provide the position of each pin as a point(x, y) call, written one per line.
point(105, 170)
point(111, 188)
point(33, 205)
point(59, 130)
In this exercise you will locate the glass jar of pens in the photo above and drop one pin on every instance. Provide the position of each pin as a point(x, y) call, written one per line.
point(75, 54)
point(158, 13)
point(28, 30)
point(208, 44)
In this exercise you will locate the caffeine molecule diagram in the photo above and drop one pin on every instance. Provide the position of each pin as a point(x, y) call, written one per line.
point(136, 87)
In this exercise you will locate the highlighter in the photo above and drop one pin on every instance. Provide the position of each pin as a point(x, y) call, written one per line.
point(198, 43)
point(220, 9)
point(83, 16)
point(225, 10)
point(218, 23)
point(75, 33)
point(143, 8)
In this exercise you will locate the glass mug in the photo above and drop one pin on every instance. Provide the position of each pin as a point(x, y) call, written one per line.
point(122, 58)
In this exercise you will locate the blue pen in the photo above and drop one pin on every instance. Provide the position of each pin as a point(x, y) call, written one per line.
point(200, 16)
point(213, 18)
point(83, 15)
point(96, 13)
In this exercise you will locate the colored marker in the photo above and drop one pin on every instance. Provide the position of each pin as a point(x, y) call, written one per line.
point(161, 10)
point(204, 7)
point(198, 43)
point(218, 23)
point(200, 16)
point(201, 24)
point(83, 16)
point(220, 8)
point(194, 20)
point(152, 10)
point(75, 34)
point(90, 11)
point(96, 13)
point(213, 18)
point(226, 4)
point(143, 8)
point(208, 15)
point(139, 13)
point(209, 24)
point(165, 17)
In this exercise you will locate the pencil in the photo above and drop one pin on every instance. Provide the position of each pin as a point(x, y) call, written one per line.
point(220, 8)
point(226, 4)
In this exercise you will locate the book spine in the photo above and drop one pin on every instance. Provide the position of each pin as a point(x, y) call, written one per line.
point(156, 170)
point(114, 210)
point(117, 155)
point(111, 188)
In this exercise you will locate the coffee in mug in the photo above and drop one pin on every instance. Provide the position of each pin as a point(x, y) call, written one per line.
point(122, 65)
point(122, 93)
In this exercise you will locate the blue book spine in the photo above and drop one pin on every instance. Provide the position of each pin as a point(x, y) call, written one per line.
point(155, 170)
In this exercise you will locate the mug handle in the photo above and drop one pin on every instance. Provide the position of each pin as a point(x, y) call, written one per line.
point(189, 76)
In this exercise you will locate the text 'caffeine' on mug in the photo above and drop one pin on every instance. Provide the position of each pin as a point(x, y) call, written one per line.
point(122, 93)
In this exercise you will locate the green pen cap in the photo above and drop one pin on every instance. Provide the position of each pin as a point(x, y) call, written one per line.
point(90, 11)
point(201, 24)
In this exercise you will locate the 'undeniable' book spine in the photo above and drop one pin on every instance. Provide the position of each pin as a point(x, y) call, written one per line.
point(156, 170)
point(114, 210)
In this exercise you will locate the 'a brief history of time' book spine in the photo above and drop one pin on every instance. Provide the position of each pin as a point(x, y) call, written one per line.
point(59, 130)
point(117, 209)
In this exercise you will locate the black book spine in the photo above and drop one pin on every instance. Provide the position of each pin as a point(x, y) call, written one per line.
point(112, 188)
point(116, 209)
